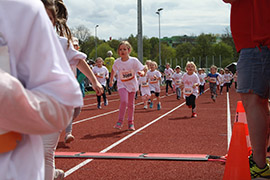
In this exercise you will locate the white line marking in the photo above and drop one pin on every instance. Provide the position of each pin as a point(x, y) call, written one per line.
point(104, 114)
point(70, 171)
point(229, 122)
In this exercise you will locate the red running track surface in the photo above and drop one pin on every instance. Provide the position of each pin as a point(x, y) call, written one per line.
point(174, 133)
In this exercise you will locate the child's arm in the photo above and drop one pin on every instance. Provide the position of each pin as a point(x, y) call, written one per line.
point(112, 76)
point(86, 70)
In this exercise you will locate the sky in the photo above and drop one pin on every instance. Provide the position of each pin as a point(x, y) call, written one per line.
point(118, 18)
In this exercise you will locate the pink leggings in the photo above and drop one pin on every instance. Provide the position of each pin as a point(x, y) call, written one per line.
point(126, 101)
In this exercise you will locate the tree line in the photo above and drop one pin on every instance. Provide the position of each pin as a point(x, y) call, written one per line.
point(204, 50)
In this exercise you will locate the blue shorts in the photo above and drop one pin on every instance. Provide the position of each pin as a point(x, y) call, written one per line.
point(253, 68)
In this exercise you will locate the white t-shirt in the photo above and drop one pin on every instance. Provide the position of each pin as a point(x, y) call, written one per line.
point(37, 60)
point(154, 82)
point(221, 79)
point(73, 56)
point(177, 79)
point(227, 78)
point(202, 78)
point(168, 73)
point(145, 89)
point(126, 73)
point(189, 81)
point(101, 73)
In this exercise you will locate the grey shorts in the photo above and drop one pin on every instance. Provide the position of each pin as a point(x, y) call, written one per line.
point(253, 68)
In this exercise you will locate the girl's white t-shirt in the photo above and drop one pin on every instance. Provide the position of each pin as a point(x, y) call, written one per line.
point(189, 81)
point(153, 82)
point(73, 56)
point(101, 74)
point(168, 73)
point(202, 78)
point(227, 78)
point(37, 60)
point(126, 73)
point(145, 89)
point(177, 78)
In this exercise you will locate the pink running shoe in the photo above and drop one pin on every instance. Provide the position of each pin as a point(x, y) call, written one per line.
point(118, 125)
point(131, 127)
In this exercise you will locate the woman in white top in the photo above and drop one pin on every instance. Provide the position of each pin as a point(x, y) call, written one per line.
point(31, 52)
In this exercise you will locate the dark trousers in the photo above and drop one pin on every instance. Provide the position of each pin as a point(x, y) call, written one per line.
point(190, 101)
point(168, 83)
point(104, 96)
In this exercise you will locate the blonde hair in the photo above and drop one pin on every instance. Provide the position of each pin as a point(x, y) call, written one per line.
point(125, 43)
point(213, 67)
point(99, 58)
point(153, 62)
point(191, 63)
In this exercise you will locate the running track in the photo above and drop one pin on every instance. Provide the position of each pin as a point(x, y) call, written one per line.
point(170, 130)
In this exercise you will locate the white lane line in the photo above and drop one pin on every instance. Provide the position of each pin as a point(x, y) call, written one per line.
point(229, 122)
point(107, 113)
point(70, 171)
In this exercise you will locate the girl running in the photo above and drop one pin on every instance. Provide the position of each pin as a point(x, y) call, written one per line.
point(76, 59)
point(202, 76)
point(227, 78)
point(212, 77)
point(177, 78)
point(144, 88)
point(34, 70)
point(168, 74)
point(190, 83)
point(102, 75)
point(221, 79)
point(126, 68)
point(154, 77)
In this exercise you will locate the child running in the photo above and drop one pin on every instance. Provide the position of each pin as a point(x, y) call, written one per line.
point(202, 76)
point(177, 78)
point(144, 88)
point(190, 83)
point(221, 79)
point(58, 15)
point(33, 71)
point(168, 74)
point(126, 68)
point(102, 75)
point(227, 78)
point(212, 77)
point(154, 77)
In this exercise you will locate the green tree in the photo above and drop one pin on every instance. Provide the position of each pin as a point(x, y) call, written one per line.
point(102, 50)
point(203, 48)
point(223, 52)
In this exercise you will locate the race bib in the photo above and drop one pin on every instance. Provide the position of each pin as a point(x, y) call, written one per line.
point(213, 80)
point(145, 84)
point(153, 81)
point(100, 75)
point(188, 91)
point(127, 75)
point(178, 82)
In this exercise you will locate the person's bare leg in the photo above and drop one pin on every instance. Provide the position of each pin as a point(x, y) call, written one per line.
point(257, 112)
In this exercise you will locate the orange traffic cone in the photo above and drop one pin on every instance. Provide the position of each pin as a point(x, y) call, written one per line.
point(241, 117)
point(237, 164)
